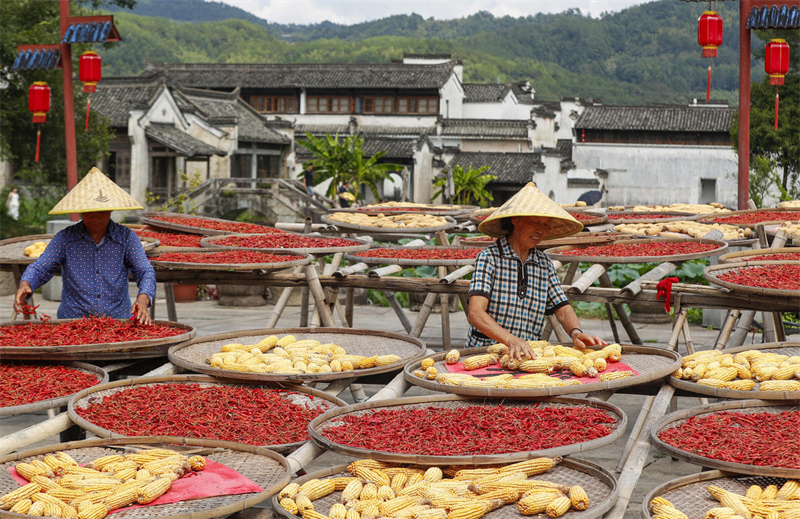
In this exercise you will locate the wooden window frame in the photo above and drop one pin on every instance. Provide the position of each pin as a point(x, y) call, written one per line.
point(373, 99)
point(329, 102)
point(270, 104)
point(416, 99)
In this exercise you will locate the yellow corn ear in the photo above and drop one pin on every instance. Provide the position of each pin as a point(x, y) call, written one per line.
point(122, 499)
point(433, 475)
point(426, 363)
point(370, 512)
point(368, 491)
point(385, 492)
point(197, 463)
point(285, 340)
point(153, 491)
point(779, 385)
point(303, 503)
point(532, 467)
point(99, 463)
point(27, 471)
point(372, 475)
point(615, 375)
point(37, 509)
point(24, 492)
point(351, 491)
point(337, 511)
point(353, 514)
point(578, 497)
point(558, 506)
point(431, 513)
point(731, 500)
point(95, 511)
point(789, 490)
point(289, 505)
point(452, 356)
point(721, 513)
point(535, 503)
point(341, 483)
point(398, 482)
point(741, 385)
point(317, 488)
point(431, 373)
point(536, 366)
point(22, 506)
point(289, 490)
point(311, 514)
point(480, 361)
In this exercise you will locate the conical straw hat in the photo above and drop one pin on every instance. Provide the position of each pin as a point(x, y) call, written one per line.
point(96, 192)
point(529, 201)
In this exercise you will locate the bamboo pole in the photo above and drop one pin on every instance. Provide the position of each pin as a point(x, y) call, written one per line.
point(424, 313)
point(727, 328)
point(337, 386)
point(385, 271)
point(656, 274)
point(327, 270)
point(605, 281)
point(560, 332)
point(348, 308)
point(398, 310)
point(282, 301)
point(164, 371)
point(445, 310)
point(35, 433)
point(315, 288)
point(591, 275)
point(457, 274)
point(352, 269)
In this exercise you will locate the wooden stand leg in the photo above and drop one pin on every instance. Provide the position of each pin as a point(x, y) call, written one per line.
point(445, 310)
point(612, 322)
point(769, 327)
point(742, 329)
point(727, 328)
point(605, 281)
point(169, 294)
point(282, 301)
point(303, 307)
point(547, 331)
point(348, 310)
point(777, 325)
point(424, 313)
point(315, 288)
point(398, 310)
point(327, 270)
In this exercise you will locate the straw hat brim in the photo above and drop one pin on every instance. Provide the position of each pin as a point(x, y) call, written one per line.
point(95, 193)
point(529, 201)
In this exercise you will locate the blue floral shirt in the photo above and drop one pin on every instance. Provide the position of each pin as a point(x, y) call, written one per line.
point(95, 276)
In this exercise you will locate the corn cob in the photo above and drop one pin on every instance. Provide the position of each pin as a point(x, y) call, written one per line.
point(419, 373)
point(372, 476)
point(337, 511)
point(303, 503)
point(578, 497)
point(360, 505)
point(660, 500)
point(431, 373)
point(68, 512)
point(667, 511)
point(96, 511)
point(433, 475)
point(370, 512)
point(126, 474)
point(779, 385)
point(57, 466)
point(615, 375)
point(285, 341)
point(369, 491)
point(22, 506)
point(351, 491)
point(789, 490)
point(289, 505)
point(43, 469)
point(37, 509)
point(431, 513)
point(317, 488)
point(385, 492)
point(408, 513)
point(153, 491)
point(426, 363)
point(532, 467)
point(480, 361)
point(289, 490)
point(392, 506)
point(398, 482)
point(90, 499)
point(741, 385)
point(414, 479)
point(534, 504)
point(99, 463)
point(197, 463)
point(754, 492)
point(341, 483)
point(45, 483)
point(27, 471)
point(66, 494)
point(369, 464)
point(24, 492)
point(475, 510)
point(353, 514)
point(452, 356)
point(311, 514)
point(507, 495)
point(769, 492)
point(712, 382)
point(721, 513)
point(121, 499)
point(558, 506)
point(366, 362)
point(731, 500)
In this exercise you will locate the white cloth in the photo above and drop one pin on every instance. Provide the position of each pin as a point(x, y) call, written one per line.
point(13, 205)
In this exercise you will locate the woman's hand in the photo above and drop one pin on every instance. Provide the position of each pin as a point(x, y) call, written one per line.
point(139, 309)
point(582, 340)
point(23, 292)
point(519, 349)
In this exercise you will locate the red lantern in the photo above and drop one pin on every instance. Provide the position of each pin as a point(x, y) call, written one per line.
point(776, 64)
point(90, 70)
point(709, 33)
point(39, 104)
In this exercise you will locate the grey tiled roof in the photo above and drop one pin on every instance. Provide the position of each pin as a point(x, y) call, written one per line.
point(656, 118)
point(510, 168)
point(180, 141)
point(485, 128)
point(303, 75)
point(116, 97)
point(523, 96)
point(415, 131)
point(564, 146)
point(321, 129)
point(394, 148)
point(485, 93)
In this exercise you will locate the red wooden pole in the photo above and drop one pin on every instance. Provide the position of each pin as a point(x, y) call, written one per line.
point(69, 108)
point(744, 104)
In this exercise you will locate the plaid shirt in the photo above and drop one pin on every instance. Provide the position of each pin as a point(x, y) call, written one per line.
point(520, 294)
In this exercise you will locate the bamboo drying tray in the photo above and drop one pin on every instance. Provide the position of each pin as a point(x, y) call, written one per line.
point(195, 355)
point(742, 256)
point(704, 219)
point(416, 262)
point(744, 406)
point(584, 238)
point(596, 218)
point(90, 395)
point(435, 210)
point(143, 349)
point(451, 222)
point(265, 468)
point(689, 494)
point(332, 418)
point(556, 253)
point(600, 485)
point(149, 219)
point(11, 250)
point(307, 258)
point(52, 403)
point(711, 273)
point(783, 348)
point(672, 216)
point(651, 363)
point(363, 244)
point(479, 215)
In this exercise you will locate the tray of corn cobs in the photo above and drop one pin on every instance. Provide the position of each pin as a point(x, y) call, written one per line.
point(768, 371)
point(298, 354)
point(721, 495)
point(568, 488)
point(456, 430)
point(755, 437)
point(143, 477)
point(557, 370)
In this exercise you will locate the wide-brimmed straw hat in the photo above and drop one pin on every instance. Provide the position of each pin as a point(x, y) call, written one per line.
point(96, 192)
point(529, 201)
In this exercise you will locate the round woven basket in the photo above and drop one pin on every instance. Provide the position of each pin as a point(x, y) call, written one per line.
point(600, 485)
point(307, 258)
point(689, 495)
point(583, 238)
point(12, 249)
point(558, 253)
point(588, 218)
point(363, 244)
point(416, 262)
point(149, 218)
point(265, 468)
point(642, 216)
point(743, 256)
point(451, 222)
point(143, 349)
point(90, 396)
point(435, 210)
point(783, 348)
point(651, 364)
point(712, 272)
point(52, 403)
point(196, 355)
point(741, 406)
point(334, 417)
point(751, 211)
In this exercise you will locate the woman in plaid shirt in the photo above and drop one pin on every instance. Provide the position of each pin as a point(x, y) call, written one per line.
point(514, 285)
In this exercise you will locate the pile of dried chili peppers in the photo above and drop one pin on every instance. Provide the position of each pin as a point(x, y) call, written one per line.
point(624, 250)
point(228, 256)
point(758, 217)
point(789, 256)
point(582, 217)
point(90, 330)
point(780, 276)
point(24, 383)
point(764, 439)
point(472, 430)
point(232, 227)
point(284, 241)
point(257, 416)
point(172, 239)
point(422, 254)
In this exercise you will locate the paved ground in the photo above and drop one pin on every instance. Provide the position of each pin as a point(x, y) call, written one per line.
point(209, 318)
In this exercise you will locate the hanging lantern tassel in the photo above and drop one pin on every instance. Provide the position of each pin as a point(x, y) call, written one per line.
point(777, 102)
point(88, 109)
point(39, 105)
point(39, 142)
point(776, 64)
point(709, 36)
point(708, 86)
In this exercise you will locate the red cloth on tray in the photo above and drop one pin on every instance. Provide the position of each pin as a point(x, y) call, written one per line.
point(215, 480)
point(563, 374)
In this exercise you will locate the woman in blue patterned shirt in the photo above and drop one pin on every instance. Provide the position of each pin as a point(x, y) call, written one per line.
point(514, 285)
point(96, 256)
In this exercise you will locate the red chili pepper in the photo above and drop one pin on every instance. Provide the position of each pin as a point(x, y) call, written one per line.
point(172, 239)
point(420, 254)
point(773, 257)
point(233, 256)
point(622, 250)
point(283, 241)
point(759, 216)
point(24, 384)
point(91, 330)
point(780, 276)
point(233, 227)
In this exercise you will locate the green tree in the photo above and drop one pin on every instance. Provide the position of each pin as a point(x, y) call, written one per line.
point(469, 184)
point(344, 162)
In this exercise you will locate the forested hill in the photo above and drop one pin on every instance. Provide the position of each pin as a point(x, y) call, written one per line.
point(646, 53)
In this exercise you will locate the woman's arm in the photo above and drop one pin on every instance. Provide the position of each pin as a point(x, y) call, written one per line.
point(480, 319)
point(566, 316)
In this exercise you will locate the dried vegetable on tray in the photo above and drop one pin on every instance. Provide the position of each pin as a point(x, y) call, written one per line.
point(549, 358)
point(745, 371)
point(689, 228)
point(792, 229)
point(217, 225)
point(90, 330)
point(641, 249)
point(171, 239)
point(225, 257)
point(254, 415)
point(422, 254)
point(59, 487)
point(713, 207)
point(283, 241)
point(782, 276)
point(758, 217)
point(286, 355)
point(22, 384)
point(377, 489)
point(395, 221)
point(793, 256)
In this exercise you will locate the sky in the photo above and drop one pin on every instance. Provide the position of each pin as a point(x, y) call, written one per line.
point(354, 11)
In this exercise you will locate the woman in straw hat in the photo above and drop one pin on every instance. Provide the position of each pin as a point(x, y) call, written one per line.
point(95, 255)
point(514, 285)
